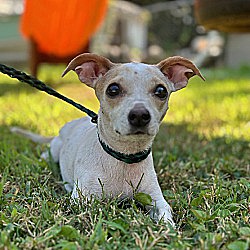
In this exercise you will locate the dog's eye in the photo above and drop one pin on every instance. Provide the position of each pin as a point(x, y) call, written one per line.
point(161, 92)
point(113, 90)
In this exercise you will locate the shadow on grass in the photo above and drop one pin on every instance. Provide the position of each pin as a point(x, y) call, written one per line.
point(181, 154)
point(183, 142)
point(16, 144)
point(20, 159)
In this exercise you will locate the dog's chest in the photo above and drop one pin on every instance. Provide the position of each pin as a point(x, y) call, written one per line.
point(115, 178)
point(123, 180)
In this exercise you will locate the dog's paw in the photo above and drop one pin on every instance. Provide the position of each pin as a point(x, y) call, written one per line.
point(164, 216)
point(45, 156)
point(167, 219)
point(162, 213)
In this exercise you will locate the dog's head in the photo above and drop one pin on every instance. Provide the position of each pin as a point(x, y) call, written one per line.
point(133, 96)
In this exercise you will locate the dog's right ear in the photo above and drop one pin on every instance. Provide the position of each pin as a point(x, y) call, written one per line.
point(89, 68)
point(178, 70)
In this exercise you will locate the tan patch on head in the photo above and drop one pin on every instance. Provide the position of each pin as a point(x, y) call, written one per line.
point(110, 102)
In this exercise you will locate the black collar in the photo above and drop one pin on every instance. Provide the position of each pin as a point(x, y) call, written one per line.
point(127, 158)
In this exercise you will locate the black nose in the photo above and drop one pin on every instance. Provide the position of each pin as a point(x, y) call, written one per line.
point(139, 116)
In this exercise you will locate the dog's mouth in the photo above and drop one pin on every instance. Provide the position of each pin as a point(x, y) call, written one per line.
point(139, 133)
point(134, 132)
point(117, 132)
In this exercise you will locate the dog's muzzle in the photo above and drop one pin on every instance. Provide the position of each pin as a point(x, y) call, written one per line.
point(138, 118)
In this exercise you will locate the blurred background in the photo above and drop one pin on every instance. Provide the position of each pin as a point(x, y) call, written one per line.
point(211, 33)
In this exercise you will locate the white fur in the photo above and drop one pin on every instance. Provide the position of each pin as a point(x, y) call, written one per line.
point(85, 166)
point(84, 163)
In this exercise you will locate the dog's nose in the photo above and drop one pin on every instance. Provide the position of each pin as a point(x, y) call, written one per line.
point(139, 116)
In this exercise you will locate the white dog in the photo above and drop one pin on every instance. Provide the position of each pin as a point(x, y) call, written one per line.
point(117, 151)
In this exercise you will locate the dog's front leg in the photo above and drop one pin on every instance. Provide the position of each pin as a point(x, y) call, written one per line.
point(159, 209)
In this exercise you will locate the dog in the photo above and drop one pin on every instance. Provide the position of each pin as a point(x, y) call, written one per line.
point(115, 155)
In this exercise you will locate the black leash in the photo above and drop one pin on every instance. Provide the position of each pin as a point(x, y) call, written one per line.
point(35, 83)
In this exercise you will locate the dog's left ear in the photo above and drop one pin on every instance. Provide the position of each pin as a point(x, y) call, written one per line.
point(178, 70)
point(89, 68)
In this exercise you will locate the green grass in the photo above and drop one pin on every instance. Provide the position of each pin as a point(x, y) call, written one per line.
point(202, 158)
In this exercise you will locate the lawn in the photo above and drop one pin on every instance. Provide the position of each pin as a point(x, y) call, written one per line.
point(202, 158)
